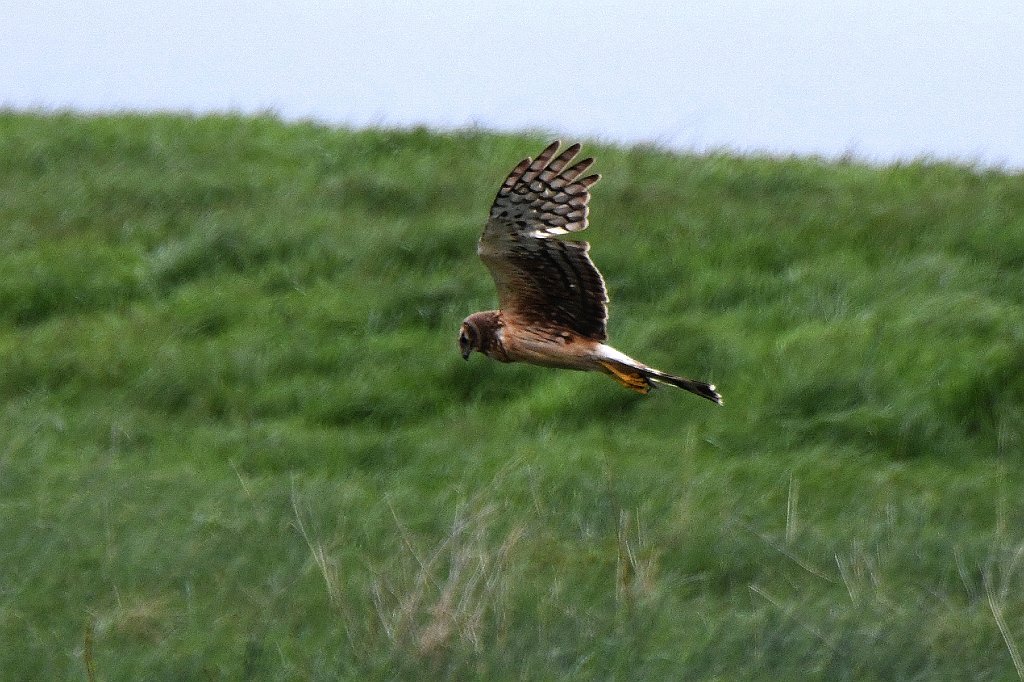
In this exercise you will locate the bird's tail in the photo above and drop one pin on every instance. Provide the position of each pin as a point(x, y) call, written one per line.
point(704, 390)
point(641, 379)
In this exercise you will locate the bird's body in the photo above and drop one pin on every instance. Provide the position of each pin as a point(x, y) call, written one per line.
point(531, 344)
point(552, 299)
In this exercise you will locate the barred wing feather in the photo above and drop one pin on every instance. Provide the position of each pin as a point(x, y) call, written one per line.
point(542, 280)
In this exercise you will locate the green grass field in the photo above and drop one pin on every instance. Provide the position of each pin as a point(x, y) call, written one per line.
point(239, 441)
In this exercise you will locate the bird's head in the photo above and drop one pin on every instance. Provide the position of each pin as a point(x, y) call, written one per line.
point(481, 332)
point(469, 337)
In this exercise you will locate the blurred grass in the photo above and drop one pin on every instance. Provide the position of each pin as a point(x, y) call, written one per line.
point(239, 441)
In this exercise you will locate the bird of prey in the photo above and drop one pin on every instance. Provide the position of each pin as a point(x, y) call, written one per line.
point(552, 303)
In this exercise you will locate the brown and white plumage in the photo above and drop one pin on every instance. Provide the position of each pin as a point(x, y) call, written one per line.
point(552, 302)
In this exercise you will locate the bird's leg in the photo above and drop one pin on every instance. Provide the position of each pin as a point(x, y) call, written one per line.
point(630, 379)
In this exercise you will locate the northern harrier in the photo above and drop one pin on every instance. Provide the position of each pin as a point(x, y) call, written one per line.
point(552, 300)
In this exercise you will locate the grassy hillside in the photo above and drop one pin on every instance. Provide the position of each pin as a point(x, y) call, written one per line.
point(239, 441)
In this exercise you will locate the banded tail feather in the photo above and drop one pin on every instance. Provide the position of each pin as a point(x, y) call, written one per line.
point(704, 390)
point(641, 378)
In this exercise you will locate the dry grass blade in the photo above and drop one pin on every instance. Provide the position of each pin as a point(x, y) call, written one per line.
point(87, 651)
point(328, 569)
point(792, 499)
point(995, 605)
point(431, 598)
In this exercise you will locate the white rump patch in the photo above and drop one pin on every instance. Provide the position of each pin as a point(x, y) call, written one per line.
point(606, 352)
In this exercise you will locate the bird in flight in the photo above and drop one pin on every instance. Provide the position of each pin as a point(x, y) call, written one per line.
point(552, 302)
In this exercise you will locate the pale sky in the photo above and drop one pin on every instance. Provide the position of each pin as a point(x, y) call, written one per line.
point(881, 79)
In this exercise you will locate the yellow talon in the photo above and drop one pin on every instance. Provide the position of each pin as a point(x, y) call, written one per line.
point(634, 382)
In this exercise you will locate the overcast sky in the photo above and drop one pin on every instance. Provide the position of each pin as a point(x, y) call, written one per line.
point(881, 79)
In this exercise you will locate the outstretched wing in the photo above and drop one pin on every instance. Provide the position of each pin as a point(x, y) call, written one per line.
point(542, 280)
